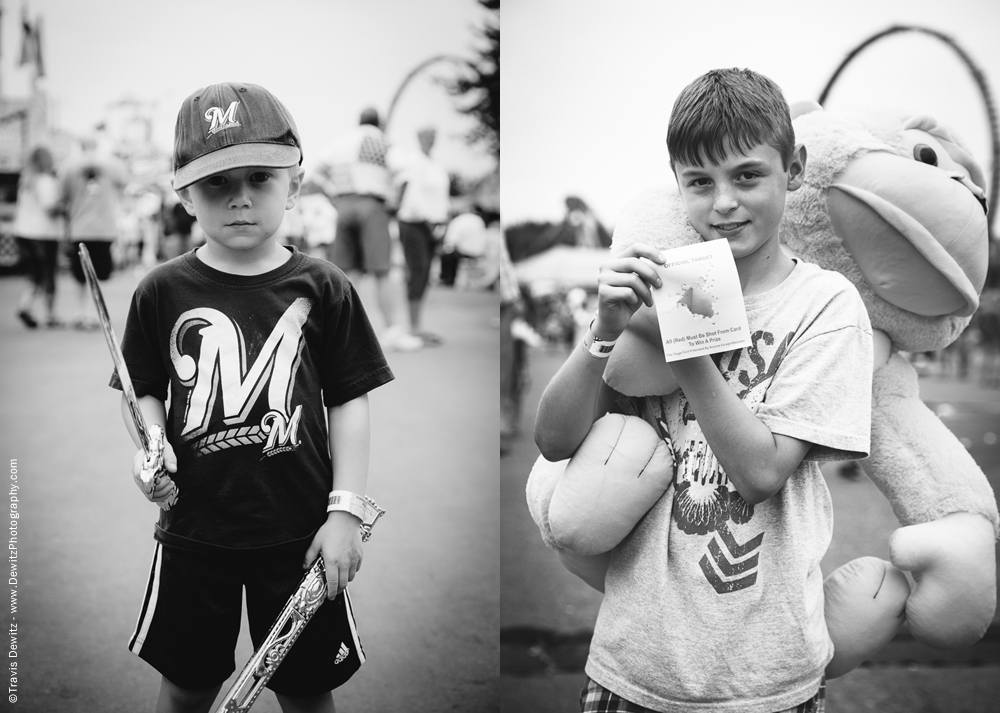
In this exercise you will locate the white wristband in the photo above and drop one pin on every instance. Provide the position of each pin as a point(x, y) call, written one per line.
point(361, 506)
point(597, 347)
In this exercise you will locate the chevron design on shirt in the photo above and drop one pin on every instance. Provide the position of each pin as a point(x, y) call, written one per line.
point(731, 572)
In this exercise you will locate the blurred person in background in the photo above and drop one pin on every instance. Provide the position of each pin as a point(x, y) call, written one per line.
point(464, 238)
point(39, 229)
point(355, 176)
point(423, 189)
point(588, 232)
point(177, 225)
point(319, 219)
point(92, 188)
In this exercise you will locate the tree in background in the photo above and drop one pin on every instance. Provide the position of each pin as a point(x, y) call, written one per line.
point(482, 86)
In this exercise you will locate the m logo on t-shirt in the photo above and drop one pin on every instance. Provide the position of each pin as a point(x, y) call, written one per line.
point(220, 370)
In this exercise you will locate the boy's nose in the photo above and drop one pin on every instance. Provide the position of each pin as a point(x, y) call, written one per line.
point(240, 197)
point(725, 201)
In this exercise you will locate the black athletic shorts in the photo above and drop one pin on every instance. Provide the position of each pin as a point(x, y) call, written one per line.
point(190, 620)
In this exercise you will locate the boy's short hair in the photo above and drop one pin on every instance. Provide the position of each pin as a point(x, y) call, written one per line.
point(729, 109)
point(232, 125)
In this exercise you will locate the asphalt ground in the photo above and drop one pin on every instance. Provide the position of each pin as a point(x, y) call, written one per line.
point(426, 600)
point(547, 614)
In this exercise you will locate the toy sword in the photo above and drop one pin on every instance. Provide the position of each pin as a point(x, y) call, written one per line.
point(299, 609)
point(151, 438)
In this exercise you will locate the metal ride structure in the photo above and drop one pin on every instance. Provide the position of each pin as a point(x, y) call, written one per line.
point(981, 83)
point(463, 63)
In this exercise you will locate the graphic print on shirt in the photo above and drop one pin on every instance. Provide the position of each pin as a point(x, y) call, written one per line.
point(220, 368)
point(705, 502)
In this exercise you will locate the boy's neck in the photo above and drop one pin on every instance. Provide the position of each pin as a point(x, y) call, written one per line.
point(256, 261)
point(764, 270)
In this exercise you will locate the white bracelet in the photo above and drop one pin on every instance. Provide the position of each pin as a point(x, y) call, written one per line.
point(361, 506)
point(595, 346)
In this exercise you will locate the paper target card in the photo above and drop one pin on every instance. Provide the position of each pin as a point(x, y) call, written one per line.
point(700, 306)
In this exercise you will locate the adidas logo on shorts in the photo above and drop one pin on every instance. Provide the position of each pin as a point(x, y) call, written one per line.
point(342, 654)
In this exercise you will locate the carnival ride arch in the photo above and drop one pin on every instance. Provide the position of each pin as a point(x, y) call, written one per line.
point(455, 59)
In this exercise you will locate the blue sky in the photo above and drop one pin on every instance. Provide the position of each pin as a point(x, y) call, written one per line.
point(588, 85)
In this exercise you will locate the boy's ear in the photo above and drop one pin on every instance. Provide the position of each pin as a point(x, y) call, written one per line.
point(184, 195)
point(294, 186)
point(797, 167)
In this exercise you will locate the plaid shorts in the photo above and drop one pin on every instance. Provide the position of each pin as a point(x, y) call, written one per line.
point(594, 698)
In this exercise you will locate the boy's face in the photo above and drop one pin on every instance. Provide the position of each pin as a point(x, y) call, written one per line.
point(242, 208)
point(742, 198)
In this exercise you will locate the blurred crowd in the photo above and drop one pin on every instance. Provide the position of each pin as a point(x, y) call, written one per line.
point(131, 222)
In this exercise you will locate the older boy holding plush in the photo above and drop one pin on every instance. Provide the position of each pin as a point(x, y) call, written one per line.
point(747, 428)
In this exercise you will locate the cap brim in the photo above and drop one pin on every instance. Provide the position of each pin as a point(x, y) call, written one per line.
point(238, 156)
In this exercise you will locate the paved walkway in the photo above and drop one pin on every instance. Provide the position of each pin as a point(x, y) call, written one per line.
point(547, 614)
point(428, 595)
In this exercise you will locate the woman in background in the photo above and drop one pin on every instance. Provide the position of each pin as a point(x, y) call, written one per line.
point(38, 230)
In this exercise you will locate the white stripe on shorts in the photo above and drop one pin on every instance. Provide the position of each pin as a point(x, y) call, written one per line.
point(149, 604)
point(354, 626)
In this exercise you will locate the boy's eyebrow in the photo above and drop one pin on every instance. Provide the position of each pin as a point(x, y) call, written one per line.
point(748, 162)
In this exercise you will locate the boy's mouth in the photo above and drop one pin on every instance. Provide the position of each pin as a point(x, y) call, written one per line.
point(729, 227)
point(238, 223)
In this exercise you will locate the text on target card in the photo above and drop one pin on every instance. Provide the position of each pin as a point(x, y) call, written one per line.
point(700, 305)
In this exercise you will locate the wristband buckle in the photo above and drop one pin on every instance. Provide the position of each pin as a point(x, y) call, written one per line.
point(361, 506)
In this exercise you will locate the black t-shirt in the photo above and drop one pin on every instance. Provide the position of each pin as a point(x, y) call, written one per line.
point(250, 364)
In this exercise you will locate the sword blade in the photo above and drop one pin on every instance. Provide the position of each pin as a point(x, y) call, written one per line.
point(116, 352)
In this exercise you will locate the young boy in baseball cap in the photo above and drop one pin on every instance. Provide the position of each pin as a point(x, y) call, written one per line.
point(256, 360)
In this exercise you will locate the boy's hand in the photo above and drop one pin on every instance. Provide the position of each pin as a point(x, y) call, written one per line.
point(339, 541)
point(625, 283)
point(163, 486)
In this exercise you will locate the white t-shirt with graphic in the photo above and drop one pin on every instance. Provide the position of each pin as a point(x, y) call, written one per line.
point(714, 604)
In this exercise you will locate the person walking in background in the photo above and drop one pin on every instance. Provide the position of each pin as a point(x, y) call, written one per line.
point(92, 187)
point(355, 176)
point(38, 229)
point(423, 189)
point(319, 219)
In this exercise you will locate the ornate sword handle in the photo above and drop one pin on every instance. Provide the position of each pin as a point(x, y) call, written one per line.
point(286, 629)
point(298, 610)
point(153, 469)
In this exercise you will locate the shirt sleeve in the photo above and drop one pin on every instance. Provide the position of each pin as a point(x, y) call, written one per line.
point(140, 347)
point(353, 361)
point(823, 389)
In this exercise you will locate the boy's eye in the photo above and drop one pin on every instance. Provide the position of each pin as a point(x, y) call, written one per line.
point(260, 176)
point(747, 175)
point(216, 181)
point(699, 182)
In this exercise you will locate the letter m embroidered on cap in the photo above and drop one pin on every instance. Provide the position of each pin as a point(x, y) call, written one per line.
point(221, 120)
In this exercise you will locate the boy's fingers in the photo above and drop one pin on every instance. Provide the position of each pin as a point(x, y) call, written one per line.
point(633, 266)
point(310, 557)
point(646, 251)
point(169, 457)
point(335, 582)
point(629, 289)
